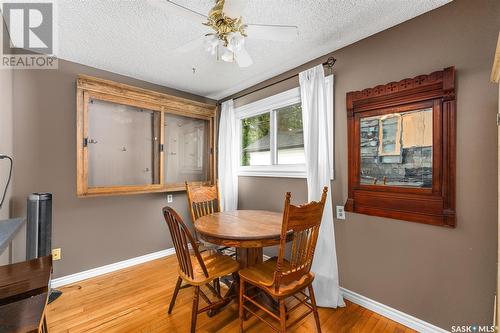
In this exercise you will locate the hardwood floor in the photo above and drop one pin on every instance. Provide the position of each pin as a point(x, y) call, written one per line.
point(136, 300)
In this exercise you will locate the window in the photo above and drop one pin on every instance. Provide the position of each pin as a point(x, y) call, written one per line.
point(131, 140)
point(256, 140)
point(390, 135)
point(290, 135)
point(272, 137)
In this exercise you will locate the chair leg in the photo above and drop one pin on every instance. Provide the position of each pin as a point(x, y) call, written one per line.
point(315, 308)
point(194, 314)
point(242, 310)
point(217, 285)
point(282, 315)
point(44, 325)
point(174, 296)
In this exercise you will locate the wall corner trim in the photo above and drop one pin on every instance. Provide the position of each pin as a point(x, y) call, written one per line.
point(383, 310)
point(68, 279)
point(391, 313)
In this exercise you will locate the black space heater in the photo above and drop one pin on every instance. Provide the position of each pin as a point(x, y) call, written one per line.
point(39, 230)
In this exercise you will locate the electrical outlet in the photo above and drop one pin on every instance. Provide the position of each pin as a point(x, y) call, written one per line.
point(56, 254)
point(170, 198)
point(340, 213)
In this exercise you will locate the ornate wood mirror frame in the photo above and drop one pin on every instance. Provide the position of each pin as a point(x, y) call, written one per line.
point(422, 192)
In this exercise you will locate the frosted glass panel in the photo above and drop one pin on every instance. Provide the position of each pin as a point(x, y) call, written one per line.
point(120, 145)
point(186, 149)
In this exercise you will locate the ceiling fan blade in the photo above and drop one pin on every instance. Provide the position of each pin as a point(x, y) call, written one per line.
point(193, 45)
point(286, 33)
point(234, 8)
point(180, 10)
point(243, 58)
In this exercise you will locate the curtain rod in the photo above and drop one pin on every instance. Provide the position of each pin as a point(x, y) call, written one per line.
point(329, 63)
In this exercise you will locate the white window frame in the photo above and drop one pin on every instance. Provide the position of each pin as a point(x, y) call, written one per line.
point(267, 105)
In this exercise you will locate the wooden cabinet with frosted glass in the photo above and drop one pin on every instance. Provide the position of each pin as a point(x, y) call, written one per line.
point(132, 140)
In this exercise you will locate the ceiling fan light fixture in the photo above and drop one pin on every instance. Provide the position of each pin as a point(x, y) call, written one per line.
point(227, 41)
point(222, 24)
point(235, 41)
point(243, 58)
point(227, 55)
point(211, 43)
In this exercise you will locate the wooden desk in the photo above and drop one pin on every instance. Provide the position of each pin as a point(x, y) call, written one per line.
point(26, 315)
point(24, 279)
point(246, 230)
point(24, 288)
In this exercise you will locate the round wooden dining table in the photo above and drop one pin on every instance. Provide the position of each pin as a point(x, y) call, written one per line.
point(246, 230)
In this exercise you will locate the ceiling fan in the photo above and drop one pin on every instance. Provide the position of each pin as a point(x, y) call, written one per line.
point(227, 42)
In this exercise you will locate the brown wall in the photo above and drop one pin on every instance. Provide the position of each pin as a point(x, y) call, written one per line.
point(92, 231)
point(443, 276)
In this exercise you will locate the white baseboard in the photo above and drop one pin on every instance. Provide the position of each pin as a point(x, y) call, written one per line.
point(391, 313)
point(384, 310)
point(68, 279)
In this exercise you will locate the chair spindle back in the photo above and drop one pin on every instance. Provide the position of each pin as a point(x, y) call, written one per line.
point(303, 222)
point(203, 200)
point(181, 237)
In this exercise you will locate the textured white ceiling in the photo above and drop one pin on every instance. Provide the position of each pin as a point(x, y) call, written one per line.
point(136, 38)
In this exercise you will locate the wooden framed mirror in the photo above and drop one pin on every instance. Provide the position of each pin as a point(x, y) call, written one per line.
point(401, 153)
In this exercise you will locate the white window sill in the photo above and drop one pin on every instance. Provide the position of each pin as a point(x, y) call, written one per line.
point(283, 171)
point(276, 173)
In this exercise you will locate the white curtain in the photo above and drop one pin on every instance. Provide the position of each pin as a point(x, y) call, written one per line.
point(313, 94)
point(228, 158)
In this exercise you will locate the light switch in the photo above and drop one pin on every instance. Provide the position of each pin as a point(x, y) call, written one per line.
point(340, 213)
point(170, 198)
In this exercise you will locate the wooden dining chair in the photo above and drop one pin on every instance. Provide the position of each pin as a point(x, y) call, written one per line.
point(281, 278)
point(204, 200)
point(197, 269)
